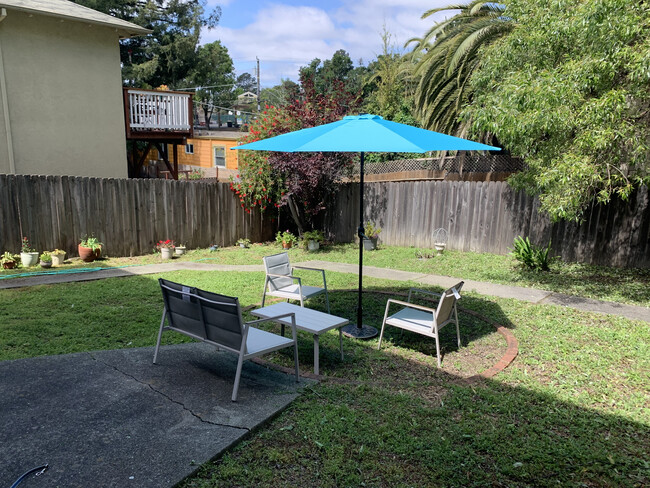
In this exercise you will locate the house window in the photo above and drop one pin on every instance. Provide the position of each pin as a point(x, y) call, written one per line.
point(219, 158)
point(189, 148)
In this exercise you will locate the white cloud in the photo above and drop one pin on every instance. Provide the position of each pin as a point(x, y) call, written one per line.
point(286, 37)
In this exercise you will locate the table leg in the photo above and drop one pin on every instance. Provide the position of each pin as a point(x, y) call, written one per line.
point(341, 342)
point(316, 365)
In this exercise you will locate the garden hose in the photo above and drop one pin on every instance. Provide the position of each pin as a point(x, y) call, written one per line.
point(41, 470)
point(64, 271)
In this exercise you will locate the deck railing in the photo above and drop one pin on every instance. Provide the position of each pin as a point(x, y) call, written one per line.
point(154, 110)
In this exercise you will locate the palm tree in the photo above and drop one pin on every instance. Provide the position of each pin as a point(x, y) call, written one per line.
point(446, 57)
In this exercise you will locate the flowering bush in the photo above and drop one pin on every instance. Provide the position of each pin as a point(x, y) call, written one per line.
point(168, 244)
point(26, 246)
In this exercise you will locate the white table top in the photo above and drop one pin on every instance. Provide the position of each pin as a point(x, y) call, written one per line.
point(306, 319)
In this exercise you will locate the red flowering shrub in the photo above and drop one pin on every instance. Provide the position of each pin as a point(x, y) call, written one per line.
point(304, 181)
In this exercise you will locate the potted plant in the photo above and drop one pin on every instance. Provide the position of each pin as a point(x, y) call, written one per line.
point(58, 256)
point(371, 234)
point(244, 242)
point(312, 239)
point(166, 248)
point(46, 259)
point(89, 249)
point(286, 238)
point(180, 250)
point(8, 260)
point(28, 256)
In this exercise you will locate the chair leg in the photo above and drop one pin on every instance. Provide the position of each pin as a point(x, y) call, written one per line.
point(383, 324)
point(457, 327)
point(240, 363)
point(162, 324)
point(438, 348)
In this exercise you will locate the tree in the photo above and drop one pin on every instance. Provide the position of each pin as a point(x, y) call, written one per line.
point(213, 75)
point(246, 83)
point(283, 94)
point(447, 56)
point(340, 68)
point(568, 91)
point(301, 181)
point(166, 56)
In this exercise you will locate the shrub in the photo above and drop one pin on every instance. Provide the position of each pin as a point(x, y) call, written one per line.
point(531, 256)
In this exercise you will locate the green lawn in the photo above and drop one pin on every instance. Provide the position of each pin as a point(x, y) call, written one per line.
point(572, 410)
point(630, 286)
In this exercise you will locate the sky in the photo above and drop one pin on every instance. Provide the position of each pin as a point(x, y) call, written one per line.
point(288, 34)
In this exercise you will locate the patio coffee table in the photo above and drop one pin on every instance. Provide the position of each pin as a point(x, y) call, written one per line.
point(308, 320)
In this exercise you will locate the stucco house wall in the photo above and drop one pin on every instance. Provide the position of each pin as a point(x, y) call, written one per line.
point(63, 97)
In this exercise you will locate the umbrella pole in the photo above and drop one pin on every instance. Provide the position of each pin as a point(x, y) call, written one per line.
point(360, 331)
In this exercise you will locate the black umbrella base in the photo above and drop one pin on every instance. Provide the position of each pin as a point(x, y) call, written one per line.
point(363, 332)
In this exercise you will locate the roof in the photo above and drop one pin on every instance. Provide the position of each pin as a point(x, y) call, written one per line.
point(72, 11)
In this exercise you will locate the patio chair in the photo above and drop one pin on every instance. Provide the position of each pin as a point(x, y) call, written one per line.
point(280, 281)
point(216, 319)
point(424, 320)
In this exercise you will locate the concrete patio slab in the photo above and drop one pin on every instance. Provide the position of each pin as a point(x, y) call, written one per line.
point(114, 419)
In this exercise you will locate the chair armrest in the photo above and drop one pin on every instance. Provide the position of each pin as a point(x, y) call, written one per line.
point(312, 269)
point(425, 292)
point(305, 267)
point(410, 305)
point(284, 276)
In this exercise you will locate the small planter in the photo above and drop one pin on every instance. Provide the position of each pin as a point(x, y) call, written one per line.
point(313, 245)
point(87, 254)
point(287, 245)
point(29, 259)
point(242, 245)
point(370, 244)
point(167, 252)
point(9, 265)
point(46, 264)
point(180, 250)
point(57, 259)
point(440, 247)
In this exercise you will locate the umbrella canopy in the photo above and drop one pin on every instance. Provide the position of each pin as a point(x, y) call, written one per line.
point(364, 133)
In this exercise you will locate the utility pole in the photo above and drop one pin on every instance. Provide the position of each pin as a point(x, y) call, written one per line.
point(258, 83)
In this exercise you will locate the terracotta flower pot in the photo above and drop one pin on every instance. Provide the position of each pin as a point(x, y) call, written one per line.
point(287, 245)
point(9, 265)
point(87, 254)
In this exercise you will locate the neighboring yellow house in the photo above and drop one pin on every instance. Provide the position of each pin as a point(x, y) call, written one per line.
point(208, 151)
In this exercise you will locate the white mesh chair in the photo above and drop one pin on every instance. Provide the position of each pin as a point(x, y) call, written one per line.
point(424, 320)
point(281, 283)
point(216, 319)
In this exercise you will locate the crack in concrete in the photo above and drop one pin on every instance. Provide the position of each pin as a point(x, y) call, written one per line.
point(164, 395)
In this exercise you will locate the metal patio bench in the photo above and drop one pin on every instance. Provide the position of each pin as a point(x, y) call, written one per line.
point(217, 320)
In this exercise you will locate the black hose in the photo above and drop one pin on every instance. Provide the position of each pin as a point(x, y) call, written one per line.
point(24, 475)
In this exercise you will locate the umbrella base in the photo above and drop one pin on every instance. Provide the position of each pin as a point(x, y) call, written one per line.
point(363, 332)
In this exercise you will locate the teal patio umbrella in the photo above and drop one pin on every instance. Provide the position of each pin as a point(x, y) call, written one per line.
point(364, 133)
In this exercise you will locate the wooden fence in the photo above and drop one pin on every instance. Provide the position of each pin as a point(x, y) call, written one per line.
point(487, 216)
point(128, 216)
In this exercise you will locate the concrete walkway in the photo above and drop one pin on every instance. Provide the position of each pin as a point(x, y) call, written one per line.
point(531, 295)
